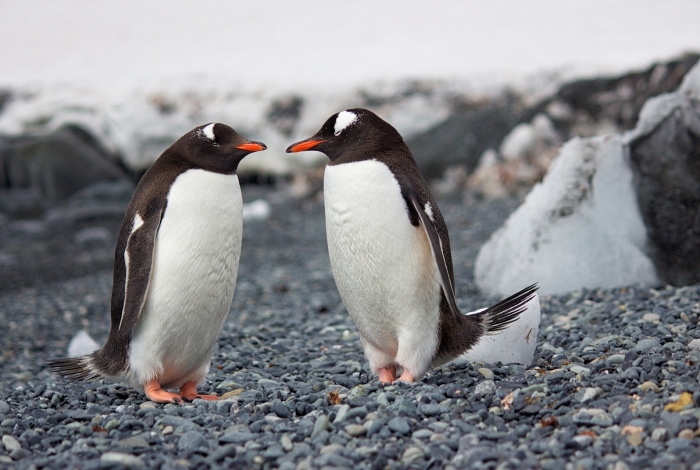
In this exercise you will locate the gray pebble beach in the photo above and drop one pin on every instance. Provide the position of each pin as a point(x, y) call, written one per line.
point(614, 384)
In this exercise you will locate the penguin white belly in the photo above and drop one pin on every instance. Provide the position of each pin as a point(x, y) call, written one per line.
point(383, 266)
point(197, 251)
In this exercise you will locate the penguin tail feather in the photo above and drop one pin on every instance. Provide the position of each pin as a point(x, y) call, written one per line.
point(75, 368)
point(499, 316)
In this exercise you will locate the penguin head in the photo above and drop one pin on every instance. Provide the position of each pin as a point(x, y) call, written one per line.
point(215, 147)
point(353, 134)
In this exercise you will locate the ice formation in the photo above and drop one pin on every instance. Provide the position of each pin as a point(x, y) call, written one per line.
point(582, 226)
point(514, 344)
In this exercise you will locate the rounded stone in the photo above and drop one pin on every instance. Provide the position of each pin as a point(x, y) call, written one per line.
point(651, 317)
point(399, 425)
point(192, 440)
point(487, 373)
point(411, 454)
point(649, 386)
point(687, 434)
point(355, 430)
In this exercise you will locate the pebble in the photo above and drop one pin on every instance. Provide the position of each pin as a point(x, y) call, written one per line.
point(594, 416)
point(119, 458)
point(659, 434)
point(10, 443)
point(302, 396)
point(356, 430)
point(646, 344)
point(615, 359)
point(694, 344)
point(399, 425)
point(651, 317)
point(286, 442)
point(411, 454)
point(485, 388)
point(192, 440)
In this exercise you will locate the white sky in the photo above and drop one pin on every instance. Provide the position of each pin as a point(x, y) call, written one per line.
point(313, 42)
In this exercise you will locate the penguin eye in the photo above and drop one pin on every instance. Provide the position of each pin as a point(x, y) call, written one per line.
point(208, 132)
point(344, 119)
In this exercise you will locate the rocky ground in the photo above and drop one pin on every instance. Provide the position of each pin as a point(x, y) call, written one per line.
point(614, 384)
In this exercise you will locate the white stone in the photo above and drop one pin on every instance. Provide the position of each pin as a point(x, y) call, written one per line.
point(519, 142)
point(259, 209)
point(82, 345)
point(10, 443)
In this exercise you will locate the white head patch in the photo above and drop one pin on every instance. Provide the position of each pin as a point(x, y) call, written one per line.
point(344, 119)
point(209, 132)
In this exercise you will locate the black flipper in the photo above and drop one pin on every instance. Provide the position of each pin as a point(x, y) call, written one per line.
point(438, 253)
point(138, 257)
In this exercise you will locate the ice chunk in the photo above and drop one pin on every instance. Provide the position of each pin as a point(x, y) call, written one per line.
point(514, 344)
point(82, 345)
point(581, 227)
point(256, 210)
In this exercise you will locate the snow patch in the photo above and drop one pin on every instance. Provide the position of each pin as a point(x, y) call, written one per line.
point(515, 344)
point(581, 227)
point(82, 345)
point(256, 210)
point(344, 119)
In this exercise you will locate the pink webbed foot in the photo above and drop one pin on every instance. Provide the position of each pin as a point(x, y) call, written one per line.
point(156, 394)
point(387, 375)
point(189, 392)
point(406, 377)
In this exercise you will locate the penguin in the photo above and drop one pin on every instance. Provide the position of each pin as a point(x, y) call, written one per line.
point(390, 251)
point(175, 268)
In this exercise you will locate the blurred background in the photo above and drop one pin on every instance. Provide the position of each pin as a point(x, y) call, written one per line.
point(484, 92)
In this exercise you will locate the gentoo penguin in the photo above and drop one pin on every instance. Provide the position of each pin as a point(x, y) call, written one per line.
point(175, 268)
point(390, 251)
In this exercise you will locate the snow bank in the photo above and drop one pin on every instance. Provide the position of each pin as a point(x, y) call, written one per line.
point(581, 227)
point(137, 126)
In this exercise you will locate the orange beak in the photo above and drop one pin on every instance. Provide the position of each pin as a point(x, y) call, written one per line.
point(252, 146)
point(303, 145)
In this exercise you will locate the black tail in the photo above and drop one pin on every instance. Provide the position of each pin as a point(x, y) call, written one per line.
point(76, 368)
point(505, 312)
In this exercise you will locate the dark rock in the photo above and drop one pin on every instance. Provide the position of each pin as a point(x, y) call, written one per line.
point(666, 164)
point(619, 99)
point(464, 136)
point(50, 167)
point(280, 410)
